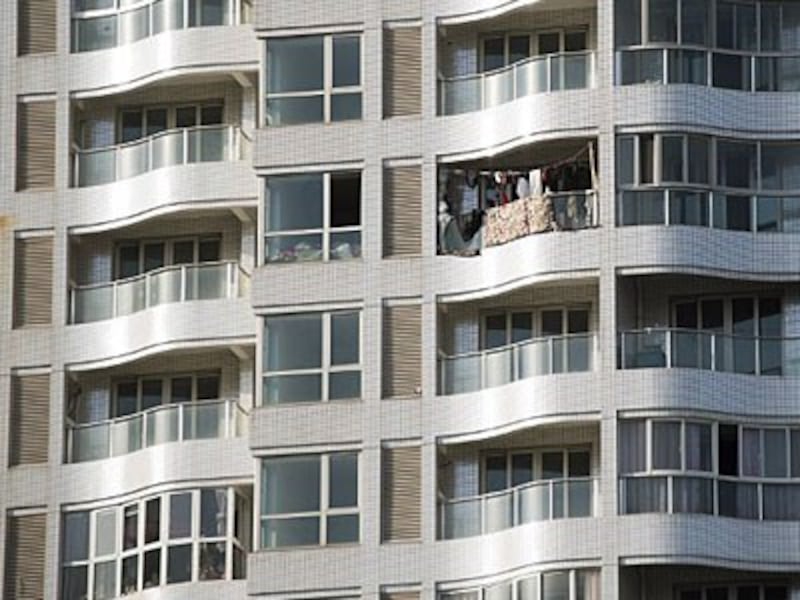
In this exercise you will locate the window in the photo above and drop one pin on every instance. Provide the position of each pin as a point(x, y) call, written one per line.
point(312, 79)
point(499, 51)
point(134, 258)
point(135, 123)
point(310, 500)
point(747, 591)
point(312, 357)
point(313, 217)
point(580, 584)
point(518, 467)
point(184, 534)
point(133, 396)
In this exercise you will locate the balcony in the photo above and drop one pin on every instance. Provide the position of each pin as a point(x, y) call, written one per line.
point(539, 188)
point(202, 420)
point(536, 75)
point(529, 503)
point(102, 24)
point(710, 351)
point(475, 371)
point(171, 284)
point(175, 147)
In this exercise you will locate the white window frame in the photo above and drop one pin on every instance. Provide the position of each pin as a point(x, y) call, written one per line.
point(326, 368)
point(325, 510)
point(537, 463)
point(536, 320)
point(327, 91)
point(327, 230)
point(166, 388)
point(169, 250)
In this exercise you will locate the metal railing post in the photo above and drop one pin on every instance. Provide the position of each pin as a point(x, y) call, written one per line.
point(183, 283)
point(114, 299)
point(668, 347)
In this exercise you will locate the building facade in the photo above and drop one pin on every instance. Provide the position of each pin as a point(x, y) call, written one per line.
point(305, 300)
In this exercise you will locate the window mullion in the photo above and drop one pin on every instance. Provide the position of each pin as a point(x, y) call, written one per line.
point(229, 531)
point(327, 83)
point(326, 355)
point(324, 491)
point(194, 528)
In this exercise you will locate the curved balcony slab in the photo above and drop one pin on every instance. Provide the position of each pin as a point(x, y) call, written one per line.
point(682, 106)
point(200, 460)
point(693, 390)
point(202, 590)
point(198, 50)
point(103, 344)
point(710, 541)
point(159, 192)
point(648, 249)
point(574, 541)
point(569, 256)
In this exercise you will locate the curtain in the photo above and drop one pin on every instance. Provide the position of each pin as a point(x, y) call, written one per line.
point(631, 446)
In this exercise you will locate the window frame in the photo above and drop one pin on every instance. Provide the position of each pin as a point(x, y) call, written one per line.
point(326, 367)
point(169, 251)
point(327, 91)
point(536, 321)
point(163, 543)
point(325, 510)
point(166, 388)
point(327, 231)
point(537, 468)
point(172, 114)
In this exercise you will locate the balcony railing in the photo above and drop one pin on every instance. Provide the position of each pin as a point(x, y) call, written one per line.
point(535, 501)
point(101, 24)
point(734, 211)
point(207, 419)
point(206, 143)
point(740, 498)
point(549, 73)
point(696, 349)
point(491, 368)
point(176, 283)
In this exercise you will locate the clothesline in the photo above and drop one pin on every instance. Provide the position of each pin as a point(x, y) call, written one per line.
point(554, 165)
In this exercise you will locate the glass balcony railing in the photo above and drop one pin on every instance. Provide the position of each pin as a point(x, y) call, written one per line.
point(765, 500)
point(101, 24)
point(696, 349)
point(207, 419)
point(206, 143)
point(536, 501)
point(491, 368)
point(697, 207)
point(176, 283)
point(540, 74)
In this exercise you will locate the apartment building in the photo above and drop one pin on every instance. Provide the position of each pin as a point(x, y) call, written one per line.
point(409, 300)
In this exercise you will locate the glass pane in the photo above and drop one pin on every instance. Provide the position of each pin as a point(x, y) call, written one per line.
point(209, 250)
point(211, 115)
point(342, 529)
point(552, 465)
point(151, 393)
point(518, 48)
point(344, 386)
point(290, 484)
point(208, 387)
point(295, 111)
point(345, 338)
point(345, 245)
point(281, 389)
point(105, 532)
point(152, 525)
point(625, 162)
point(643, 208)
point(295, 202)
point(180, 516)
point(295, 64)
point(181, 389)
point(179, 563)
point(781, 502)
point(645, 495)
point(302, 531)
point(495, 475)
point(627, 22)
point(495, 333)
point(105, 580)
point(213, 512)
point(345, 107)
point(698, 446)
point(579, 464)
point(549, 43)
point(731, 71)
point(552, 323)
point(76, 536)
point(153, 256)
point(528, 588)
point(728, 450)
point(293, 342)
point(780, 166)
point(129, 574)
point(694, 22)
point(343, 480)
point(768, 214)
point(130, 527)
point(663, 20)
point(493, 53)
point(345, 199)
point(521, 469)
point(96, 34)
point(297, 248)
point(795, 458)
point(521, 327)
point(692, 495)
point(151, 577)
point(555, 585)
point(133, 25)
point(130, 125)
point(631, 447)
point(346, 61)
point(642, 66)
point(698, 159)
point(212, 561)
point(74, 583)
point(167, 15)
point(688, 208)
point(672, 158)
point(775, 456)
point(751, 452)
